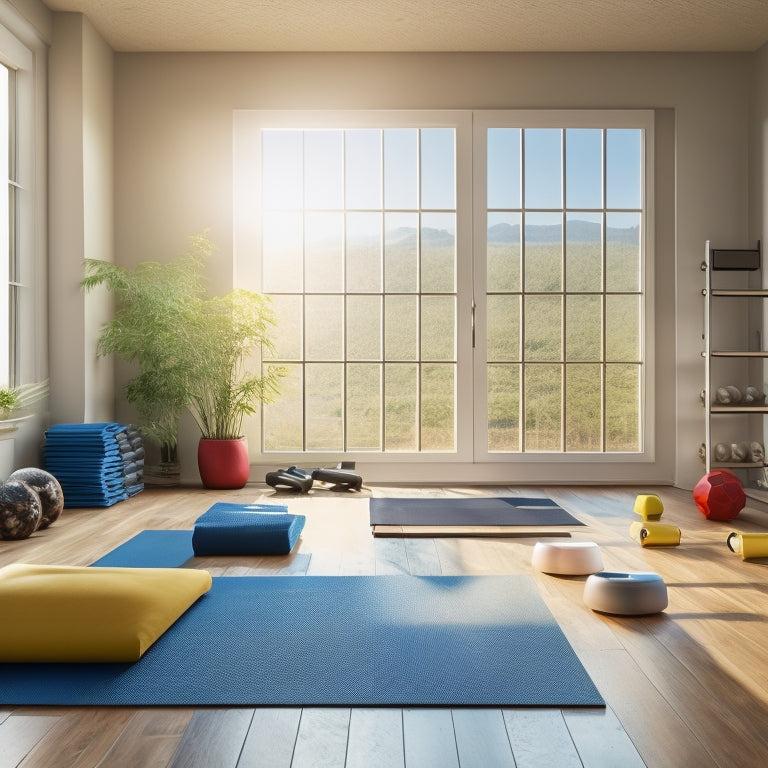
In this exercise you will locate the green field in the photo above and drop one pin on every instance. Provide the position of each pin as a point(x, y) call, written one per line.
point(563, 369)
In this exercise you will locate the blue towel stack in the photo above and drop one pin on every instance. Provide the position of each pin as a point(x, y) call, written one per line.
point(93, 463)
point(132, 451)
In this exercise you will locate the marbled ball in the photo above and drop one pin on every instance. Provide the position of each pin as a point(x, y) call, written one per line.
point(48, 488)
point(20, 510)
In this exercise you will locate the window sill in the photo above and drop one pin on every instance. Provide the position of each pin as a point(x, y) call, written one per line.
point(9, 426)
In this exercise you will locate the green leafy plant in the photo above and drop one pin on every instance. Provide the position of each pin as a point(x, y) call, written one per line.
point(8, 400)
point(17, 400)
point(193, 351)
point(225, 333)
point(153, 303)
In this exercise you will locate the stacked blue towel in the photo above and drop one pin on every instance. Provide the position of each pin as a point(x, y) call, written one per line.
point(96, 464)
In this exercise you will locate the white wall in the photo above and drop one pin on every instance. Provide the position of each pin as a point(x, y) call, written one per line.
point(173, 157)
point(81, 187)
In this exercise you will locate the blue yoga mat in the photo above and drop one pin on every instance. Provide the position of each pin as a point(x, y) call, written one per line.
point(478, 511)
point(336, 641)
point(151, 549)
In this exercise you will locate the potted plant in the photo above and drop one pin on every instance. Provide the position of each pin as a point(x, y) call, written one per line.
point(193, 352)
point(15, 401)
point(152, 302)
point(226, 381)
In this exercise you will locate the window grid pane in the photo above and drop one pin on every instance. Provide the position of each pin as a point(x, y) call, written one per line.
point(367, 290)
point(577, 303)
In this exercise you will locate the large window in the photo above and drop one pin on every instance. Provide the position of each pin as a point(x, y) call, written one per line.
point(564, 285)
point(454, 286)
point(8, 228)
point(359, 257)
point(22, 197)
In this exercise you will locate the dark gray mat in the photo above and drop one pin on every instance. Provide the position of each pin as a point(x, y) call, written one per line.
point(496, 511)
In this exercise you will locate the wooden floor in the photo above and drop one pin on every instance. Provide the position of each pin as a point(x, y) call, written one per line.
point(688, 687)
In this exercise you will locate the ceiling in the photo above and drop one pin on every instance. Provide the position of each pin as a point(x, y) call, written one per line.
point(426, 25)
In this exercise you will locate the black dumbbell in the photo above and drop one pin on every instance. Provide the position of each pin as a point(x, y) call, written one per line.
point(343, 479)
point(291, 479)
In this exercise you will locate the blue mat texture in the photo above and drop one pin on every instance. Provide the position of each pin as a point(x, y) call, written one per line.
point(337, 641)
point(477, 511)
point(151, 549)
point(246, 529)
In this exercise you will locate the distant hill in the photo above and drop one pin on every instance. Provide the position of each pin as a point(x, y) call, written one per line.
point(578, 232)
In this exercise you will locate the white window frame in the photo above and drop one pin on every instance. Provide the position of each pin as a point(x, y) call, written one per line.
point(471, 407)
point(556, 118)
point(248, 125)
point(22, 51)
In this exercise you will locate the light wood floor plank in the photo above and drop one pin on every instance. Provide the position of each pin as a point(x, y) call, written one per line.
point(214, 738)
point(429, 739)
point(271, 739)
point(481, 739)
point(322, 738)
point(79, 738)
point(375, 739)
point(423, 559)
point(149, 739)
point(391, 557)
point(18, 736)
point(540, 737)
point(649, 720)
point(602, 743)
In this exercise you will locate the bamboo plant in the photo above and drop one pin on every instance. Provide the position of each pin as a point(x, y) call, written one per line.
point(152, 303)
point(225, 336)
point(193, 352)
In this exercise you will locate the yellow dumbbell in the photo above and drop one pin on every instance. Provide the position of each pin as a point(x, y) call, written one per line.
point(649, 506)
point(655, 534)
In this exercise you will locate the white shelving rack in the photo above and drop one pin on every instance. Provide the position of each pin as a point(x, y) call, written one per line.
point(740, 321)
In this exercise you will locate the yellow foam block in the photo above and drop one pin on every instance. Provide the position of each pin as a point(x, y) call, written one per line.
point(649, 506)
point(748, 545)
point(651, 534)
point(58, 613)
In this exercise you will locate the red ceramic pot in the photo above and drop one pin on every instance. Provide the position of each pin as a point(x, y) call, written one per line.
point(223, 464)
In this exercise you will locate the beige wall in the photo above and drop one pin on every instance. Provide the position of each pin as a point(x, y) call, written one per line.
point(81, 186)
point(173, 150)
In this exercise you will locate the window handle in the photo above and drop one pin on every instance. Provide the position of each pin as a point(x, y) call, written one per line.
point(474, 307)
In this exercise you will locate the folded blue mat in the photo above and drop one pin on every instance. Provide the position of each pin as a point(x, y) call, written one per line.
point(246, 529)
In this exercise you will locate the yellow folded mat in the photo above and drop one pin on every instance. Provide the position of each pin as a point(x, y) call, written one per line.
point(56, 613)
point(651, 534)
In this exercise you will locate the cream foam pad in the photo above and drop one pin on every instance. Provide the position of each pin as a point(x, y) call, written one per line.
point(567, 558)
point(53, 613)
point(626, 594)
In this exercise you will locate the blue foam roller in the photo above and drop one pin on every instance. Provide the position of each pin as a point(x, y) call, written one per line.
point(246, 529)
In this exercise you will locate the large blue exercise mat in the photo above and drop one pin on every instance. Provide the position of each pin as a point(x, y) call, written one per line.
point(337, 641)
